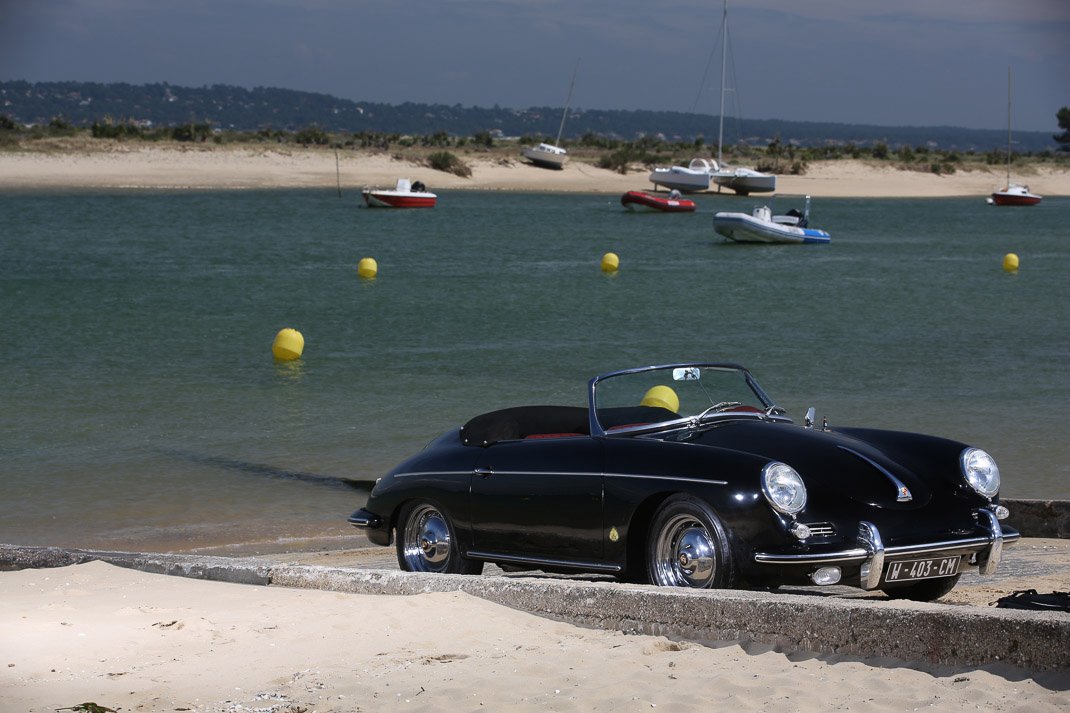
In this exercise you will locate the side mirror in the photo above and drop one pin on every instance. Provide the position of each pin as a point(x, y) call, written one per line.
point(811, 414)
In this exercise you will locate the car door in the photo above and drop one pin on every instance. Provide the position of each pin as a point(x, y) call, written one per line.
point(539, 499)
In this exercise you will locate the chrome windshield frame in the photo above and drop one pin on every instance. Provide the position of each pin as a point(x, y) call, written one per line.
point(686, 421)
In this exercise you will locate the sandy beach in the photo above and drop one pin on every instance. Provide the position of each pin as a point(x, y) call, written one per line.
point(135, 641)
point(105, 164)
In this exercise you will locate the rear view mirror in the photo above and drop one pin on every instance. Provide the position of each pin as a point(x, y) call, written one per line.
point(687, 373)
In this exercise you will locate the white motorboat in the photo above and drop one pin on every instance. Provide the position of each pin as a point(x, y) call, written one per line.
point(404, 195)
point(686, 179)
point(762, 226)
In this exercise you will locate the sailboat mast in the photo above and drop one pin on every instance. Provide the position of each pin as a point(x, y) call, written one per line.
point(724, 55)
point(568, 101)
point(1009, 94)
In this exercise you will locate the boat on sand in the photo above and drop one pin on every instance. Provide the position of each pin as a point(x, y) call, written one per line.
point(686, 179)
point(552, 155)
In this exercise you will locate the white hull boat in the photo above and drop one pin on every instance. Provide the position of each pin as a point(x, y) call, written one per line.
point(552, 155)
point(687, 179)
point(546, 155)
point(745, 181)
point(761, 226)
point(404, 195)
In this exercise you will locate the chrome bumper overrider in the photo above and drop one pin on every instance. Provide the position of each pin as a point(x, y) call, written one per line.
point(363, 518)
point(872, 554)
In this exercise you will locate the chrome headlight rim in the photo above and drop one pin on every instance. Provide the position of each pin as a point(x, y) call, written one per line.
point(980, 471)
point(783, 488)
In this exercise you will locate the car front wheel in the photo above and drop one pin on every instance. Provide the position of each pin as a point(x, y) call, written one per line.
point(688, 546)
point(426, 542)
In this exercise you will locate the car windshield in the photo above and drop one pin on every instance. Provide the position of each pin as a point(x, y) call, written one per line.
point(642, 398)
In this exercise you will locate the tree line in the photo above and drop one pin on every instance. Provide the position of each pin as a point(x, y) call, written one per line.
point(237, 109)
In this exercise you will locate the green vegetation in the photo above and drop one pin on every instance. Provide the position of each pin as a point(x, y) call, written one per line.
point(440, 149)
point(445, 161)
point(1063, 117)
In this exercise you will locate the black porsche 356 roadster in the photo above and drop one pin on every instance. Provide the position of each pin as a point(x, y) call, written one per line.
point(690, 475)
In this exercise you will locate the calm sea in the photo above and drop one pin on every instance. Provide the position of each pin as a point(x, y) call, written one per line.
point(141, 408)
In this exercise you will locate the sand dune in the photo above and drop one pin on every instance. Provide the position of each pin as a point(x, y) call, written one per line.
point(123, 165)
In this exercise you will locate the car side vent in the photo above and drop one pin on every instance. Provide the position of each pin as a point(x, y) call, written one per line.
point(821, 529)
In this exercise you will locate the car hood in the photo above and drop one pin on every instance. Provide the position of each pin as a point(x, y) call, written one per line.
point(833, 461)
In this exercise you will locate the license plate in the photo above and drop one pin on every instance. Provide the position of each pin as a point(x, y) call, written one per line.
point(922, 569)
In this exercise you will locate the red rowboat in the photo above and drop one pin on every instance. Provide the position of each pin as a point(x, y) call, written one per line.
point(640, 201)
point(404, 195)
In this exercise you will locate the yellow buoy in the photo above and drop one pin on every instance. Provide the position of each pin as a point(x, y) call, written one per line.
point(610, 262)
point(1010, 262)
point(367, 268)
point(288, 345)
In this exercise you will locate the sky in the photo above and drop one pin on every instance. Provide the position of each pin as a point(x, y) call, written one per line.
point(901, 63)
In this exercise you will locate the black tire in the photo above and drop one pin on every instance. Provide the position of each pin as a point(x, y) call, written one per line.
point(927, 590)
point(688, 547)
point(426, 542)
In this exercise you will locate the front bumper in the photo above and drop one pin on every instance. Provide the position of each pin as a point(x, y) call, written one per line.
point(378, 531)
point(871, 555)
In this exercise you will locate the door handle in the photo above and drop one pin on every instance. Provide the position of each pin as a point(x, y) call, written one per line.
point(484, 471)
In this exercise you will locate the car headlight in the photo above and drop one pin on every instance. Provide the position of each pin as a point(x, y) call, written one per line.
point(783, 488)
point(980, 471)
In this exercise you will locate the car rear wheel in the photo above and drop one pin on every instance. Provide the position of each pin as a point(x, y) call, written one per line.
point(426, 542)
point(688, 546)
point(927, 590)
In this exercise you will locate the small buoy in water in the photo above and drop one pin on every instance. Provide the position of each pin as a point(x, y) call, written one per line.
point(1010, 262)
point(367, 268)
point(288, 345)
point(610, 262)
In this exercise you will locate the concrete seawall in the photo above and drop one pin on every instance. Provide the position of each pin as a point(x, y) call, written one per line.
point(911, 632)
point(1040, 518)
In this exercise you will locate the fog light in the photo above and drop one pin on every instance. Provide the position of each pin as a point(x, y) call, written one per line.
point(800, 530)
point(826, 575)
point(1002, 513)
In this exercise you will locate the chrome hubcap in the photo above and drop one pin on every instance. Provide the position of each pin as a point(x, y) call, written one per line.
point(427, 540)
point(684, 554)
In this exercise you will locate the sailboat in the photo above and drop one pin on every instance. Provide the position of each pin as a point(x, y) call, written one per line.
point(1014, 193)
point(552, 155)
point(698, 174)
point(741, 180)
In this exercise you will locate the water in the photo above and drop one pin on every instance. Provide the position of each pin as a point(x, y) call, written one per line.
point(140, 407)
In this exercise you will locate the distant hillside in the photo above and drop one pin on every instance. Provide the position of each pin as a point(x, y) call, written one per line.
point(227, 107)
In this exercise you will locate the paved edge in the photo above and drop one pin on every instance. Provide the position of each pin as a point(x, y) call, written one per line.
point(914, 632)
point(1039, 518)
